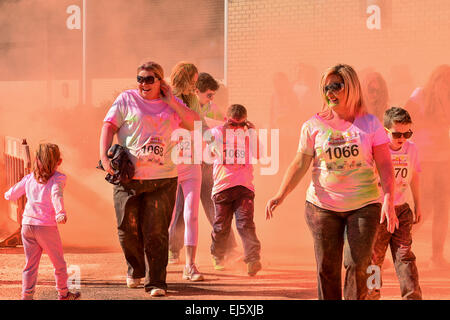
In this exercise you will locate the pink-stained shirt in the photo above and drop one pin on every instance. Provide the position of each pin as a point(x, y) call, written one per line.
point(44, 201)
point(226, 174)
point(405, 162)
point(343, 174)
point(145, 128)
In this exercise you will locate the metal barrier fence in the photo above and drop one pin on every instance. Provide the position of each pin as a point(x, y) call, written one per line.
point(17, 165)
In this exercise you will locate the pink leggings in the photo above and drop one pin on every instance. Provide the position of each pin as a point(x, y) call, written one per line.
point(37, 239)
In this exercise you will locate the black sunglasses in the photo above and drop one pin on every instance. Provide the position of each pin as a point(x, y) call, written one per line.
point(146, 80)
point(398, 135)
point(335, 87)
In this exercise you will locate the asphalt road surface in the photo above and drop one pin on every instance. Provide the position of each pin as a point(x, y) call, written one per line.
point(102, 277)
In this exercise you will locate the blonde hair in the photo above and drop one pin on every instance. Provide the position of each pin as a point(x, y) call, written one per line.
point(152, 66)
point(45, 162)
point(182, 74)
point(352, 90)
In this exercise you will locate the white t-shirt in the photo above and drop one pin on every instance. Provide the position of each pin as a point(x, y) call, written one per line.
point(145, 128)
point(405, 162)
point(225, 174)
point(343, 174)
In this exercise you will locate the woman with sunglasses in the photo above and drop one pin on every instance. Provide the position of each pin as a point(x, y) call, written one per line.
point(183, 79)
point(144, 119)
point(430, 106)
point(345, 146)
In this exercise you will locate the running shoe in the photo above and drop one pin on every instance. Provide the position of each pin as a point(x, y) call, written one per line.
point(157, 292)
point(191, 273)
point(218, 263)
point(133, 283)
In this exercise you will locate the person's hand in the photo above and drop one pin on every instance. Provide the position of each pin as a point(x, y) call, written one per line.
point(388, 214)
point(417, 215)
point(106, 163)
point(250, 125)
point(61, 218)
point(167, 94)
point(271, 206)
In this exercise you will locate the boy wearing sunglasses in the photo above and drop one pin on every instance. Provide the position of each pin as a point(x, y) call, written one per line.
point(397, 123)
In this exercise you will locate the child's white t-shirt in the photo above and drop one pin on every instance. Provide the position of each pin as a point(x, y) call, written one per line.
point(145, 128)
point(225, 174)
point(405, 162)
point(343, 174)
point(44, 201)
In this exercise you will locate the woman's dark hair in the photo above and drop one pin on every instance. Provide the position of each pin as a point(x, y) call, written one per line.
point(206, 82)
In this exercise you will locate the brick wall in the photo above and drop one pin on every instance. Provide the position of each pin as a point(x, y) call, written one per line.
point(267, 36)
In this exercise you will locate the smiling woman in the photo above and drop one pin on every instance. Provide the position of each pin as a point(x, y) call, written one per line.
point(143, 120)
point(344, 145)
point(149, 80)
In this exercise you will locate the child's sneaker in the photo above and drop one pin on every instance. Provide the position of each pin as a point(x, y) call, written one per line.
point(191, 273)
point(157, 292)
point(133, 283)
point(218, 263)
point(70, 296)
point(253, 267)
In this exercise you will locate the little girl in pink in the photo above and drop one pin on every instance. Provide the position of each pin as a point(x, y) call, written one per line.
point(43, 210)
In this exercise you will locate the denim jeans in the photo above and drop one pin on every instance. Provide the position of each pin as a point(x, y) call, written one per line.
point(347, 234)
point(177, 228)
point(404, 259)
point(237, 201)
point(143, 211)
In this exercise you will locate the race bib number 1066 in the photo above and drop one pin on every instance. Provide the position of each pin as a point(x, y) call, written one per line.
point(342, 151)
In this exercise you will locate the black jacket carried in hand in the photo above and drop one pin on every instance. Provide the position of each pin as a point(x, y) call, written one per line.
point(120, 163)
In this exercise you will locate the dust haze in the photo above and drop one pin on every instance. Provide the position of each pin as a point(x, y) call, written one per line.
point(276, 77)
